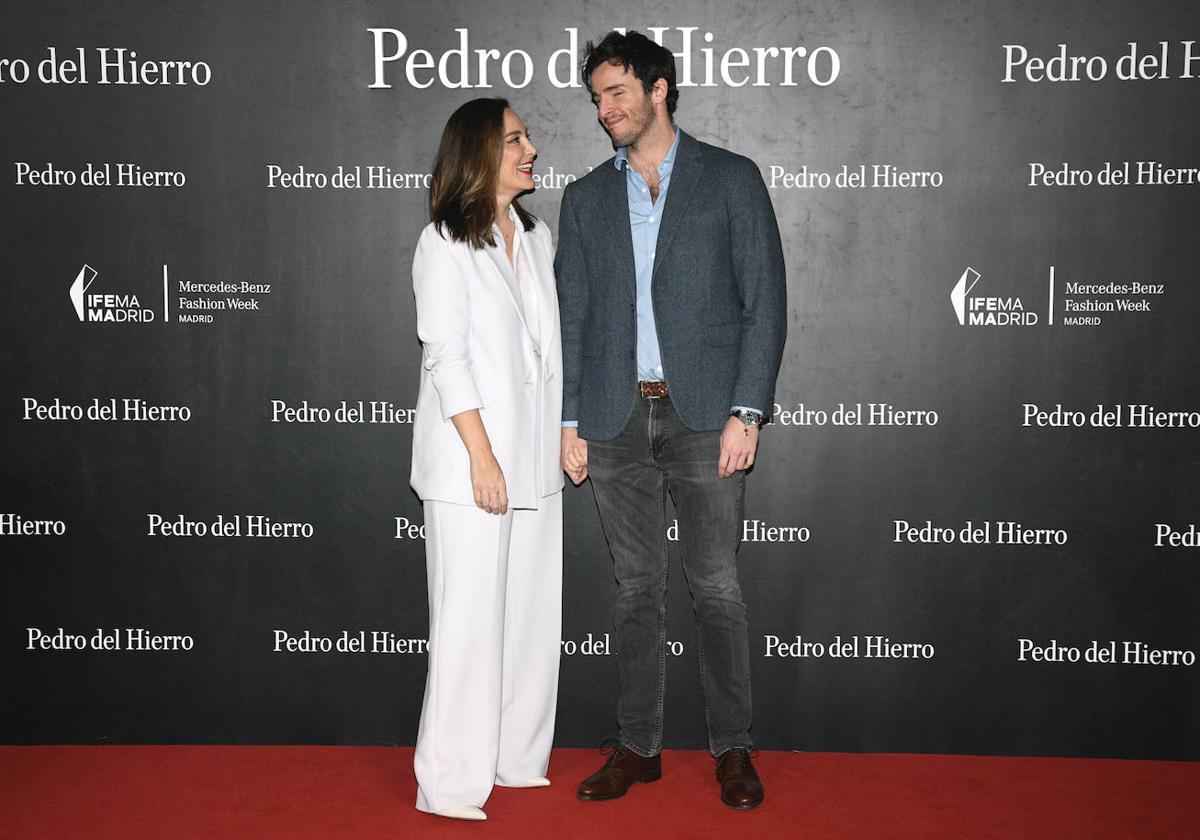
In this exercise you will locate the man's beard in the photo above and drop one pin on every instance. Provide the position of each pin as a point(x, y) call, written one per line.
point(634, 129)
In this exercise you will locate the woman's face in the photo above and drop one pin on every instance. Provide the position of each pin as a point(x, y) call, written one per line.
point(516, 158)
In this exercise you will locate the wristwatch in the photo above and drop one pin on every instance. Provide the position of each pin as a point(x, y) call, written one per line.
point(748, 416)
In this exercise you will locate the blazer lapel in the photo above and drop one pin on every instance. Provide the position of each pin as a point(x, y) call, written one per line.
point(684, 177)
point(500, 262)
point(542, 266)
point(616, 213)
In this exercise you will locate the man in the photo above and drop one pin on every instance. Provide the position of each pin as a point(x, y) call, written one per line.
point(672, 293)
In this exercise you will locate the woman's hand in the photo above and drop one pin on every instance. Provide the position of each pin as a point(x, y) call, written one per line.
point(487, 480)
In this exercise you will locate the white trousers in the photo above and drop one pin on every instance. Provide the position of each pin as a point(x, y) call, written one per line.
point(495, 629)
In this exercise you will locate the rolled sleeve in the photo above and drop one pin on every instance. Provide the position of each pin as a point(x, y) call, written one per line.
point(443, 300)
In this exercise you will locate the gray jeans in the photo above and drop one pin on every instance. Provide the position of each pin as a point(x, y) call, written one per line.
point(656, 454)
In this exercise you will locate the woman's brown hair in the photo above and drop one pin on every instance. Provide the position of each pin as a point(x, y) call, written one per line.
point(462, 192)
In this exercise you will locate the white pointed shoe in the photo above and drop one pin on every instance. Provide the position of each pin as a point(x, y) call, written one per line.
point(462, 812)
point(536, 781)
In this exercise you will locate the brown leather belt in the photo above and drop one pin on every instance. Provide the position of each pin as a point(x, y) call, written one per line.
point(653, 389)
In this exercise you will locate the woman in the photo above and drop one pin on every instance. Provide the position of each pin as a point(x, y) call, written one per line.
point(485, 463)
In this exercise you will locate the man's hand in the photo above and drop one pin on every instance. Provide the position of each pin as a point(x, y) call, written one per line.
point(573, 455)
point(738, 445)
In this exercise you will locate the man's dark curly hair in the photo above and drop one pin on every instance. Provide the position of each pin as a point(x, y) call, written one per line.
point(635, 51)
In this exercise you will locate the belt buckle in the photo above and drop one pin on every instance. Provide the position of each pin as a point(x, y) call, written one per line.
point(652, 389)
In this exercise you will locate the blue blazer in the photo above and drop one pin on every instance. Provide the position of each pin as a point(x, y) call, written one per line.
point(719, 292)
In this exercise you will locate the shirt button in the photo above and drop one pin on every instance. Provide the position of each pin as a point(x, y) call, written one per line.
point(651, 255)
point(651, 220)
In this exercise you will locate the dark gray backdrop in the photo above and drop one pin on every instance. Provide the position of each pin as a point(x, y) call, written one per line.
point(919, 86)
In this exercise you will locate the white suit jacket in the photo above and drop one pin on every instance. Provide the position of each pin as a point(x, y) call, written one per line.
point(478, 353)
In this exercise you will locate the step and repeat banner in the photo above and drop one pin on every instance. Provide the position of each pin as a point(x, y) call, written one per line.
point(972, 526)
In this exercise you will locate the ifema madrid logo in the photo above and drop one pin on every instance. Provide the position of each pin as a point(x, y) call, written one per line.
point(106, 306)
point(987, 310)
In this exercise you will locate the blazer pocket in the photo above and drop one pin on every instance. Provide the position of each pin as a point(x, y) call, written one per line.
point(719, 334)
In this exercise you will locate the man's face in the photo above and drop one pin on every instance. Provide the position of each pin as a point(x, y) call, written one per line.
point(623, 108)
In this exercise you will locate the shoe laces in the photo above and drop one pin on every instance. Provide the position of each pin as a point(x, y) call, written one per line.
point(613, 748)
point(738, 757)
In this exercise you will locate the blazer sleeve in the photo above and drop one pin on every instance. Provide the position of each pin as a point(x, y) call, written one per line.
point(570, 271)
point(762, 285)
point(442, 290)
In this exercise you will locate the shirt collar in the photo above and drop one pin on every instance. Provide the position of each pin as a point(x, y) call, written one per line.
point(518, 235)
point(668, 162)
point(512, 214)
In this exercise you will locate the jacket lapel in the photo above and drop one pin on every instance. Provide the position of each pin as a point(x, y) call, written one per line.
point(616, 213)
point(500, 262)
point(541, 264)
point(684, 177)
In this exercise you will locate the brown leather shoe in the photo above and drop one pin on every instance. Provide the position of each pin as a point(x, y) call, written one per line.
point(740, 785)
point(623, 768)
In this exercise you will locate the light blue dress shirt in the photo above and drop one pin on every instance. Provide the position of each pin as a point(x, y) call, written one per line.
point(645, 220)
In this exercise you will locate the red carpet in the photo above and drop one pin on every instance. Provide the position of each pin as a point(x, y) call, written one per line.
point(131, 793)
